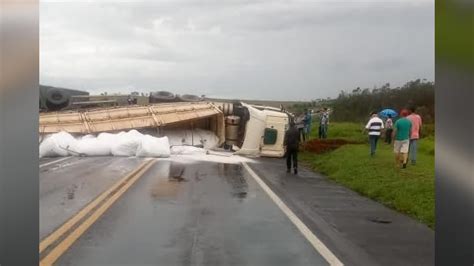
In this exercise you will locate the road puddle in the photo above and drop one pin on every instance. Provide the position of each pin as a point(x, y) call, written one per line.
point(233, 175)
point(167, 187)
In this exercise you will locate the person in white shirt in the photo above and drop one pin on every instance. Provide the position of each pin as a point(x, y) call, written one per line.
point(374, 127)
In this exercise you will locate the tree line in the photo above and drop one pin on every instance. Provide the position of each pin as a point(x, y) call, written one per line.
point(357, 104)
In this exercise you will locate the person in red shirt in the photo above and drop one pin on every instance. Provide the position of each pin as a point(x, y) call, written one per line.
point(414, 134)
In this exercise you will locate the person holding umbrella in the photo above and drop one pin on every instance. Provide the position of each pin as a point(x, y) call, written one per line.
point(388, 129)
point(388, 114)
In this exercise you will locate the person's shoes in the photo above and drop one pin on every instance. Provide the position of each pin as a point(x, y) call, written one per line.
point(288, 170)
point(296, 171)
point(413, 162)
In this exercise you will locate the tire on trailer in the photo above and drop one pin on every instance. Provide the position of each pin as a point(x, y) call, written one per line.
point(56, 99)
point(162, 96)
point(189, 98)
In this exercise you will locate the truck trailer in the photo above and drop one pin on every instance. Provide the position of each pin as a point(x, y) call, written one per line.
point(246, 129)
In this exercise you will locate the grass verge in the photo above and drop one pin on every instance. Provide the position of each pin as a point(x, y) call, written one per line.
point(410, 190)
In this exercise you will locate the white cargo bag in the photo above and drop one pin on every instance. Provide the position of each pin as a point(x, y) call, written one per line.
point(56, 145)
point(126, 144)
point(153, 147)
point(91, 146)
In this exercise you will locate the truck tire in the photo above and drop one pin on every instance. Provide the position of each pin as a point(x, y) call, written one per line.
point(162, 96)
point(56, 99)
point(189, 98)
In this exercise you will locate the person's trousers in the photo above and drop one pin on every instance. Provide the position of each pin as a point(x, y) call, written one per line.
point(412, 150)
point(388, 135)
point(373, 143)
point(302, 134)
point(291, 154)
point(323, 131)
point(307, 131)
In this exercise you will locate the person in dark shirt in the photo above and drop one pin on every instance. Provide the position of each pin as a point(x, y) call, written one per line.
point(291, 143)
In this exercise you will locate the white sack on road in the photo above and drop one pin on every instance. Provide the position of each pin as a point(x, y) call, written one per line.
point(153, 147)
point(91, 146)
point(126, 144)
point(131, 143)
point(56, 145)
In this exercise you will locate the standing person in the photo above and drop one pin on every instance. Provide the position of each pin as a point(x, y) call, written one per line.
point(307, 123)
point(415, 120)
point(323, 124)
point(401, 135)
point(388, 129)
point(374, 127)
point(291, 143)
point(301, 128)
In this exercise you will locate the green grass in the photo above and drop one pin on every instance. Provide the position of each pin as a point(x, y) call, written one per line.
point(410, 191)
point(343, 130)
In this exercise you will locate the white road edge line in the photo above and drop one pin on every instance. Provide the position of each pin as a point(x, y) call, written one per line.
point(53, 162)
point(317, 244)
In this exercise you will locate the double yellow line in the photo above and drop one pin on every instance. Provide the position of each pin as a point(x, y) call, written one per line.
point(58, 242)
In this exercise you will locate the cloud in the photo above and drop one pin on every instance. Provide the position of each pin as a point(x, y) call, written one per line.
point(247, 49)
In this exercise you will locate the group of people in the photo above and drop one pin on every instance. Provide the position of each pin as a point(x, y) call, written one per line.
point(305, 121)
point(300, 132)
point(405, 133)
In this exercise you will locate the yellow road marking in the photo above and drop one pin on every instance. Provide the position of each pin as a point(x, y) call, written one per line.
point(128, 180)
point(81, 214)
point(315, 242)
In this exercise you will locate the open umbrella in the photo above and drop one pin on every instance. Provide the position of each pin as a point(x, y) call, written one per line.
point(387, 112)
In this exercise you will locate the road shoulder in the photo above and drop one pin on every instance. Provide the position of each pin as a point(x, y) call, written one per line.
point(358, 230)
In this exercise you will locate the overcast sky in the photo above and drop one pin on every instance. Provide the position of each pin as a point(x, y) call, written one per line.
point(275, 50)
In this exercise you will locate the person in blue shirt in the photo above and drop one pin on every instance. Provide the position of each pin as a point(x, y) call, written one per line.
point(307, 123)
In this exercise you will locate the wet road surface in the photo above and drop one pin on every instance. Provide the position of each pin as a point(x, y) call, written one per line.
point(359, 231)
point(176, 214)
point(67, 186)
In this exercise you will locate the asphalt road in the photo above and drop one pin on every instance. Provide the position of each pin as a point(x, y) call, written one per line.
point(67, 186)
point(199, 213)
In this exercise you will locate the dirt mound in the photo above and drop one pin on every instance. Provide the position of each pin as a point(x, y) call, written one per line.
point(324, 145)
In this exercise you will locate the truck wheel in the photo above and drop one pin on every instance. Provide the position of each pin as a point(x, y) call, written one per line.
point(56, 97)
point(162, 96)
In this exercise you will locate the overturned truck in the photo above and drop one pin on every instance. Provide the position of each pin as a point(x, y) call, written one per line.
point(245, 129)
